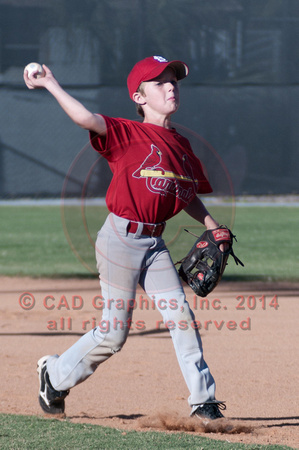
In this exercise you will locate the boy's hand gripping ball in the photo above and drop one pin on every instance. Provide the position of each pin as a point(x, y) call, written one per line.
point(36, 69)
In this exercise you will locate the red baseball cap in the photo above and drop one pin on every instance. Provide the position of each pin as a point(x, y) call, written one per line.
point(149, 68)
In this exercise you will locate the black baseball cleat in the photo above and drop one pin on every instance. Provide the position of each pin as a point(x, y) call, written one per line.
point(50, 400)
point(210, 411)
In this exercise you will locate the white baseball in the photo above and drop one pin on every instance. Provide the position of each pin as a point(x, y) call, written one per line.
point(35, 68)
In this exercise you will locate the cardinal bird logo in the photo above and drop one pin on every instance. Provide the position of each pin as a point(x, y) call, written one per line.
point(163, 182)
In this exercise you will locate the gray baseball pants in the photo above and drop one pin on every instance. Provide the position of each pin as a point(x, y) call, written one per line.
point(124, 260)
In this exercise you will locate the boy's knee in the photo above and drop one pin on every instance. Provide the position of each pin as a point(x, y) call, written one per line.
point(117, 342)
point(114, 339)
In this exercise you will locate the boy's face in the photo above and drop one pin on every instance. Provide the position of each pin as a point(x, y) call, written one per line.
point(161, 95)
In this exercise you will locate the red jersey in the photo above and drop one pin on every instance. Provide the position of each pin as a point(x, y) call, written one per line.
point(155, 172)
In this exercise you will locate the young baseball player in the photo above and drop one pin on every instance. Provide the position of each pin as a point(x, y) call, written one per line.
point(155, 176)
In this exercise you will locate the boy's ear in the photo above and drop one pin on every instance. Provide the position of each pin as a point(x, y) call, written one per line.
point(138, 98)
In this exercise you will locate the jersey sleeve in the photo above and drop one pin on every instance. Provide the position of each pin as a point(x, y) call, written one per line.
point(115, 143)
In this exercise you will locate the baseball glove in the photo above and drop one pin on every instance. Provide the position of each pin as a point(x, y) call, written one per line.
point(204, 265)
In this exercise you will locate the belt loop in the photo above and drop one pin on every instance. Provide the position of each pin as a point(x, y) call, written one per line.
point(139, 229)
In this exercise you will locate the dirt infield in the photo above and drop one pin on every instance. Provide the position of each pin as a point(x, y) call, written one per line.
point(250, 335)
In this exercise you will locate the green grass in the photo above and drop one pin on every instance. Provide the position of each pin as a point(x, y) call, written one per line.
point(41, 241)
point(28, 432)
point(267, 244)
point(33, 243)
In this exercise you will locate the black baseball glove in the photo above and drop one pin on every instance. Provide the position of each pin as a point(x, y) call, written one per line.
point(204, 265)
